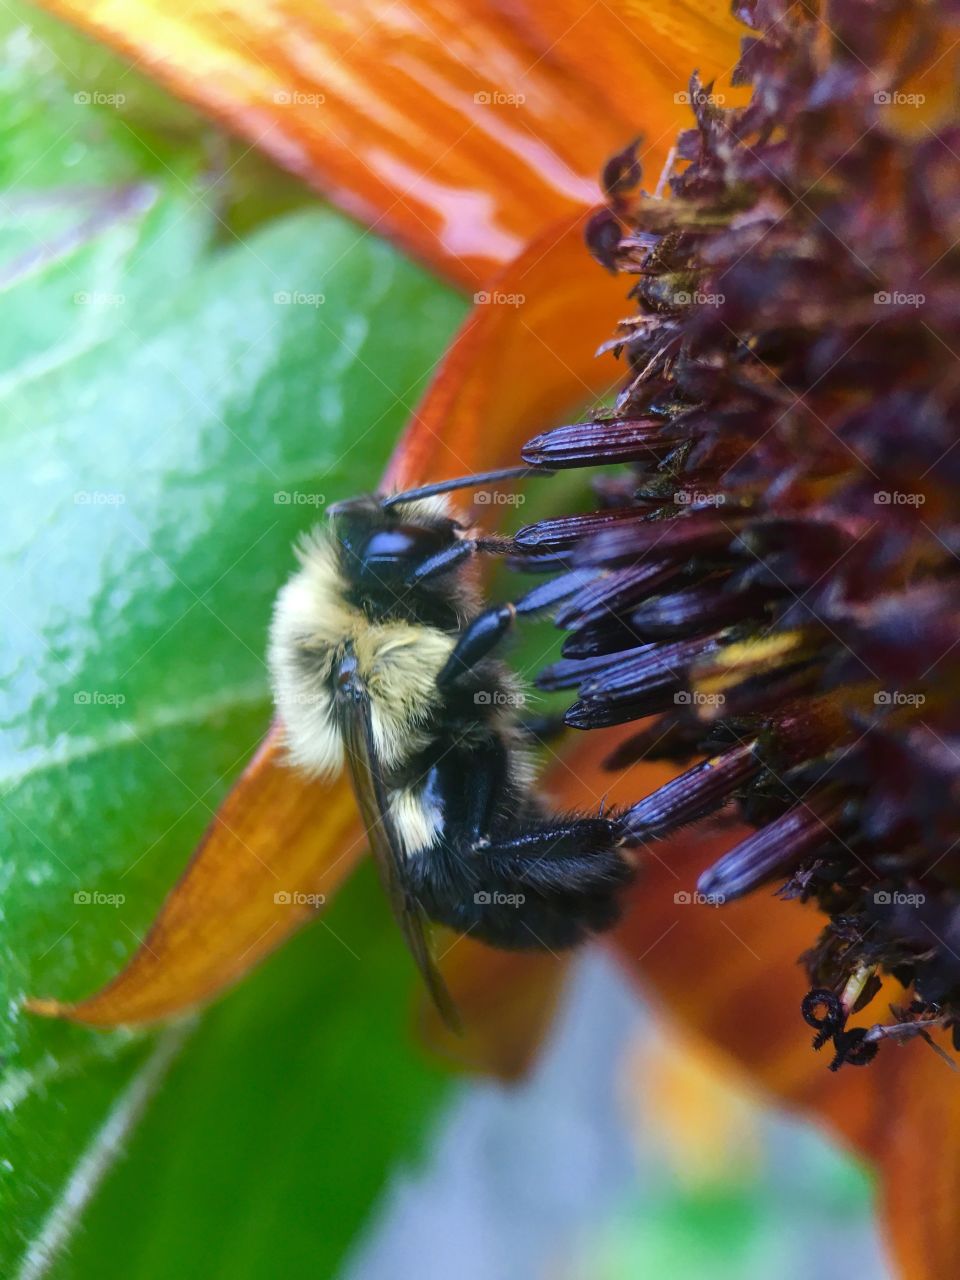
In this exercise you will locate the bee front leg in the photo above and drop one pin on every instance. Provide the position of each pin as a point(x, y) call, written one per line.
point(482, 635)
point(487, 630)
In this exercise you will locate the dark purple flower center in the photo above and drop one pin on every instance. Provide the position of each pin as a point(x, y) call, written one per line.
point(772, 572)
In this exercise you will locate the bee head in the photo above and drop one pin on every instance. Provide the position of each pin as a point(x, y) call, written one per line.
point(403, 554)
point(382, 546)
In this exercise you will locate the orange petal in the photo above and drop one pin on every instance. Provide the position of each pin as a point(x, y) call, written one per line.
point(459, 129)
point(277, 838)
point(524, 357)
point(917, 1127)
point(507, 1001)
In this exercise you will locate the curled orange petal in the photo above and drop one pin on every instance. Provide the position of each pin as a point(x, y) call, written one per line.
point(524, 356)
point(279, 844)
point(458, 129)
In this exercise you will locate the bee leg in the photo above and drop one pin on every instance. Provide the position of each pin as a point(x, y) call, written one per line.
point(568, 856)
point(487, 630)
point(546, 888)
point(442, 562)
point(450, 557)
point(483, 634)
point(484, 778)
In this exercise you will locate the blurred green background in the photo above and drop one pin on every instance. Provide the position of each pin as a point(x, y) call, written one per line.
point(196, 357)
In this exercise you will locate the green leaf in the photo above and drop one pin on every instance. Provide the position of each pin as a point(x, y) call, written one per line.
point(281, 1119)
point(176, 406)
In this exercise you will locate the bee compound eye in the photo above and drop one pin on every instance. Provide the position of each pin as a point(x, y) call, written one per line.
point(398, 548)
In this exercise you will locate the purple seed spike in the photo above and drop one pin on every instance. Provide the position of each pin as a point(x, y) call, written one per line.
point(569, 672)
point(676, 540)
point(613, 593)
point(773, 850)
point(546, 595)
point(703, 607)
point(696, 793)
point(584, 444)
point(558, 535)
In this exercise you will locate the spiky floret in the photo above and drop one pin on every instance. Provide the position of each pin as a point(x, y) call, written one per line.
point(776, 572)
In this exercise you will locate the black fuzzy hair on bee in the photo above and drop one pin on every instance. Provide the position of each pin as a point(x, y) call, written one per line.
point(381, 660)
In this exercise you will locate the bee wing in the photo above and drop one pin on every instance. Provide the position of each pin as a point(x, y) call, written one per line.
point(371, 792)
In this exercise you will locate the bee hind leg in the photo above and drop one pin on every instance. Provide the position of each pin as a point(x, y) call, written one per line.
point(545, 888)
point(569, 855)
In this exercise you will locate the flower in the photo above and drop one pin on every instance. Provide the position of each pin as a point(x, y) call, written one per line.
point(403, 141)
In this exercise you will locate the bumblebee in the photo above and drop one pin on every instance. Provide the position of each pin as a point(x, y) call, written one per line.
point(382, 661)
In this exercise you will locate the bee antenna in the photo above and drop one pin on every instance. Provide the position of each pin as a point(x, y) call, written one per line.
point(463, 482)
